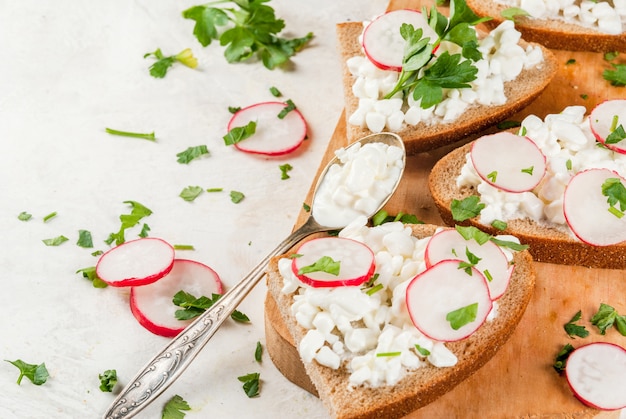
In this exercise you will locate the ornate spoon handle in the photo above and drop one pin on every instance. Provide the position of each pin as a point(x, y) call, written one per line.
point(162, 370)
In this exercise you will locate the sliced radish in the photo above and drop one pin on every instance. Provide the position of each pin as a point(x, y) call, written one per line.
point(509, 162)
point(136, 262)
point(605, 118)
point(356, 262)
point(587, 211)
point(596, 373)
point(443, 289)
point(493, 264)
point(382, 42)
point(273, 136)
point(152, 304)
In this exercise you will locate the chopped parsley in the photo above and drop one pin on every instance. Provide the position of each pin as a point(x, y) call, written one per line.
point(190, 193)
point(615, 192)
point(572, 329)
point(24, 216)
point(275, 92)
point(37, 374)
point(560, 360)
point(499, 225)
point(570, 61)
point(146, 136)
point(290, 107)
point(467, 208)
point(422, 351)
point(89, 273)
point(471, 232)
point(306, 207)
point(462, 316)
point(238, 134)
point(236, 197)
point(49, 216)
point(108, 380)
point(510, 13)
point(472, 260)
point(163, 63)
point(191, 153)
point(137, 212)
point(568, 164)
point(55, 241)
point(258, 352)
point(251, 383)
point(508, 124)
point(192, 307)
point(382, 217)
point(617, 76)
point(606, 317)
point(284, 171)
point(174, 407)
point(324, 264)
point(84, 239)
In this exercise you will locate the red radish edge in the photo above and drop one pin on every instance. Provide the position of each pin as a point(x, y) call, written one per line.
point(357, 264)
point(449, 243)
point(136, 262)
point(504, 160)
point(152, 304)
point(596, 374)
point(601, 119)
point(443, 288)
point(274, 136)
point(387, 54)
point(587, 211)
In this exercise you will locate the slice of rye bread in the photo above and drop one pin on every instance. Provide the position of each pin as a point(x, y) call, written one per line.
point(547, 244)
point(552, 33)
point(422, 136)
point(425, 384)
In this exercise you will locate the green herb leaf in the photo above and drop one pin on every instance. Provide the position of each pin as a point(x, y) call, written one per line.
point(144, 231)
point(511, 13)
point(604, 318)
point(616, 136)
point(388, 354)
point(570, 61)
point(509, 244)
point(284, 170)
point(290, 107)
point(191, 153)
point(174, 407)
point(238, 134)
point(499, 225)
point(215, 189)
point(614, 190)
point(467, 208)
point(236, 197)
point(573, 330)
point(560, 361)
point(55, 241)
point(163, 63)
point(529, 170)
point(471, 232)
point(190, 193)
point(323, 264)
point(610, 56)
point(37, 374)
point(24, 216)
point(240, 317)
point(508, 125)
point(251, 383)
point(492, 176)
point(49, 216)
point(183, 247)
point(108, 380)
point(84, 239)
point(462, 316)
point(306, 207)
point(138, 211)
point(568, 164)
point(275, 92)
point(258, 352)
point(146, 136)
point(89, 273)
point(422, 351)
point(616, 77)
point(192, 307)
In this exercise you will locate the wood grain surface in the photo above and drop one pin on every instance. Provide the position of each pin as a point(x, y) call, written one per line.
point(519, 381)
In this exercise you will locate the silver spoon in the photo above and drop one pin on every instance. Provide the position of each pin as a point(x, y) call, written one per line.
point(166, 366)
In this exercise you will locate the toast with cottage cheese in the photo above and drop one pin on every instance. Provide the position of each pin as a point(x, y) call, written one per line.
point(425, 384)
point(546, 243)
point(553, 32)
point(425, 136)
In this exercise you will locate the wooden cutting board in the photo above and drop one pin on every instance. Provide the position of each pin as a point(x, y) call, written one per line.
point(519, 381)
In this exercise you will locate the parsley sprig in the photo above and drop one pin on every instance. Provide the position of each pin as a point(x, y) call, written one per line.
point(159, 68)
point(253, 29)
point(424, 74)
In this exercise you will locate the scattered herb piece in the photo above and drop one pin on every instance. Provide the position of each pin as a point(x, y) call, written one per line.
point(499, 225)
point(236, 197)
point(568, 164)
point(382, 217)
point(24, 216)
point(240, 317)
point(615, 192)
point(374, 289)
point(323, 264)
point(462, 316)
point(572, 329)
point(492, 176)
point(306, 207)
point(472, 260)
point(510, 244)
point(570, 61)
point(55, 241)
point(616, 77)
point(238, 134)
point(37, 374)
point(604, 318)
point(467, 208)
point(471, 232)
point(584, 96)
point(290, 107)
point(234, 109)
point(192, 307)
point(190, 193)
point(284, 169)
point(215, 189)
point(560, 360)
point(258, 352)
point(510, 13)
point(97, 253)
point(529, 170)
point(146, 136)
point(275, 92)
point(617, 135)
point(191, 153)
point(163, 63)
point(488, 275)
point(522, 131)
point(84, 239)
point(251, 383)
point(49, 216)
point(508, 124)
point(183, 247)
point(108, 380)
point(144, 231)
point(610, 56)
point(137, 212)
point(90, 274)
point(388, 354)
point(173, 408)
point(422, 351)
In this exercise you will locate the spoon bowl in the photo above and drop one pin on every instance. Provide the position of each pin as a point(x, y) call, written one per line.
point(166, 366)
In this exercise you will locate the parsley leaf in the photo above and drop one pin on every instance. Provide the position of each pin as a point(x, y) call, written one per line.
point(284, 169)
point(192, 307)
point(237, 134)
point(510, 244)
point(604, 318)
point(84, 239)
point(382, 217)
point(560, 360)
point(137, 212)
point(108, 380)
point(462, 316)
point(24, 216)
point(236, 197)
point(615, 192)
point(253, 31)
point(90, 274)
point(290, 106)
point(510, 13)
point(573, 329)
point(55, 241)
point(471, 232)
point(184, 157)
point(49, 216)
point(258, 352)
point(499, 225)
point(616, 77)
point(37, 374)
point(163, 63)
point(323, 264)
point(173, 407)
point(191, 192)
point(467, 208)
point(422, 351)
point(251, 383)
point(472, 260)
point(616, 135)
point(146, 136)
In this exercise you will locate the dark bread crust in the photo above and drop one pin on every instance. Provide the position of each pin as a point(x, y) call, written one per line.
point(546, 244)
point(423, 137)
point(553, 34)
point(426, 384)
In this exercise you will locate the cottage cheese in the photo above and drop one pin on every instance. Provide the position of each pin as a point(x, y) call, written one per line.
point(605, 16)
point(570, 147)
point(346, 326)
point(503, 60)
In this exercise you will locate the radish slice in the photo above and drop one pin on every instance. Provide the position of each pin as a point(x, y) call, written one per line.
point(434, 295)
point(605, 118)
point(508, 161)
point(382, 42)
point(152, 304)
point(273, 136)
point(356, 262)
point(493, 264)
point(136, 262)
point(587, 211)
point(596, 373)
